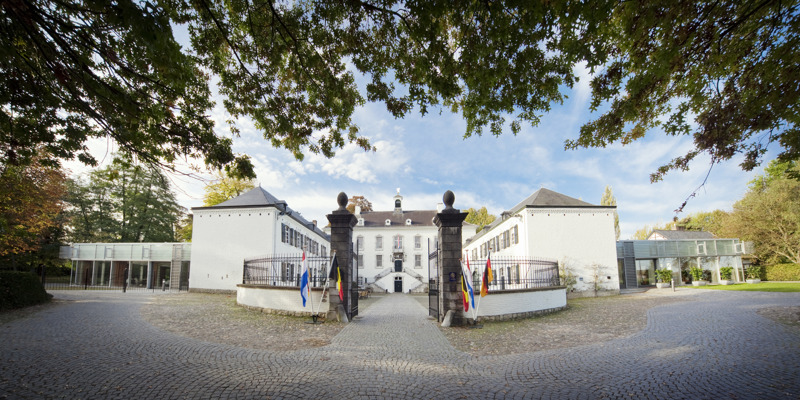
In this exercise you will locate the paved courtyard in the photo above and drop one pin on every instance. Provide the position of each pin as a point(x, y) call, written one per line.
point(97, 346)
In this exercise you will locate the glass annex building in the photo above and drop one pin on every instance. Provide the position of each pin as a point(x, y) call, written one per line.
point(638, 259)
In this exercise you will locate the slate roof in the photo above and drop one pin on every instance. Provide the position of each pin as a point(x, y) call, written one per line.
point(258, 197)
point(417, 217)
point(542, 198)
point(546, 198)
point(678, 235)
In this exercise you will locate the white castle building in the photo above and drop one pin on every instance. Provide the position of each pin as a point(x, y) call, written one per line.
point(251, 225)
point(392, 246)
point(577, 234)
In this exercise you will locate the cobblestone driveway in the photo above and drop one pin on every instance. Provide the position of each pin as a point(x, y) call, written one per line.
point(98, 347)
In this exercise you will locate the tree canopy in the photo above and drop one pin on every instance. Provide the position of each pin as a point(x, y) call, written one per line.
point(608, 199)
point(480, 217)
point(769, 215)
point(360, 201)
point(724, 72)
point(124, 202)
point(225, 188)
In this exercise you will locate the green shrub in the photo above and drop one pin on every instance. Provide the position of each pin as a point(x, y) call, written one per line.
point(664, 275)
point(726, 273)
point(697, 273)
point(754, 272)
point(21, 289)
point(783, 272)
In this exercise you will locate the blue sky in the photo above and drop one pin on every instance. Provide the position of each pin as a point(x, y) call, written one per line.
point(425, 156)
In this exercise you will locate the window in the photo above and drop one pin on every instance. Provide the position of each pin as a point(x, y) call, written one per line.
point(515, 235)
point(378, 242)
point(379, 261)
point(398, 242)
point(360, 261)
point(418, 242)
point(418, 261)
point(360, 243)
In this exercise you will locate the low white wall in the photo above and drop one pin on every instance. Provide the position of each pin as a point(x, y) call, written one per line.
point(279, 300)
point(521, 303)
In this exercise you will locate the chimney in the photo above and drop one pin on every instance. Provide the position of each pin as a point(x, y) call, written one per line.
point(439, 207)
point(358, 210)
point(314, 222)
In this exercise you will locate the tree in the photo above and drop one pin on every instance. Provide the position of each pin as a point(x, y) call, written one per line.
point(608, 199)
point(124, 202)
point(480, 217)
point(707, 221)
point(769, 216)
point(31, 205)
point(73, 70)
point(728, 64)
point(225, 188)
point(358, 201)
point(644, 232)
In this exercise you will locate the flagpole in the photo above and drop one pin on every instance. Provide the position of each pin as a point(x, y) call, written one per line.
point(327, 281)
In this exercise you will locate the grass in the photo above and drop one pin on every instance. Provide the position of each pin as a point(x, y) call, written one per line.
point(757, 287)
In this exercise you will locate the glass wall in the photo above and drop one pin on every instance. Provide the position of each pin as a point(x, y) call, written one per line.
point(102, 273)
point(138, 274)
point(645, 272)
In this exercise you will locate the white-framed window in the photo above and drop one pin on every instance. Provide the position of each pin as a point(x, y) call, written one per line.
point(360, 261)
point(418, 242)
point(378, 242)
point(417, 260)
point(379, 261)
point(398, 242)
point(360, 243)
point(515, 234)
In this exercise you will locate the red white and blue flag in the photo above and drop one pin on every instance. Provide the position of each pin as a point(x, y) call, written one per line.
point(305, 290)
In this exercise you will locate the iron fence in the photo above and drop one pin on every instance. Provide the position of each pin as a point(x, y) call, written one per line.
point(513, 273)
point(285, 270)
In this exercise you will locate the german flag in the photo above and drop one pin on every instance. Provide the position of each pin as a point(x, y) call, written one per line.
point(487, 276)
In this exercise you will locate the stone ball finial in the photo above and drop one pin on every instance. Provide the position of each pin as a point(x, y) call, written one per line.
point(449, 198)
point(342, 200)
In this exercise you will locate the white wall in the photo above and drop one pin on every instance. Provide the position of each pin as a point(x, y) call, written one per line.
point(579, 238)
point(222, 239)
point(500, 303)
point(280, 299)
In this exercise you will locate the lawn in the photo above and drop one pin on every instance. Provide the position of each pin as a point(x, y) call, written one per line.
point(757, 287)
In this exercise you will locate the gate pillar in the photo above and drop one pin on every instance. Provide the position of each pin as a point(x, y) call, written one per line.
point(449, 222)
point(342, 223)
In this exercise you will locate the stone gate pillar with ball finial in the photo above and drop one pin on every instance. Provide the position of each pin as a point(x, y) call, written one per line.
point(342, 223)
point(449, 222)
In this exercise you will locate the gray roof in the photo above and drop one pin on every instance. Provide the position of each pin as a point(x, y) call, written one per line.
point(547, 198)
point(253, 197)
point(542, 198)
point(258, 197)
point(417, 217)
point(678, 235)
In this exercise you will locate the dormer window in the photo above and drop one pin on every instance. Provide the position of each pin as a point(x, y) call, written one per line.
point(388, 222)
point(408, 222)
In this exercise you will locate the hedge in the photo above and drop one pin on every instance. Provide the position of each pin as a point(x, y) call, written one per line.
point(783, 272)
point(21, 289)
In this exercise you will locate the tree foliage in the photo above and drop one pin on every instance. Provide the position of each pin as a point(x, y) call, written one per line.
point(644, 232)
point(358, 201)
point(31, 203)
point(74, 70)
point(480, 217)
point(225, 188)
point(608, 199)
point(124, 202)
point(707, 221)
point(729, 65)
point(769, 216)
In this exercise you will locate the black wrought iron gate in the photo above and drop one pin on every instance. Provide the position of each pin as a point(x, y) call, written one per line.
point(433, 282)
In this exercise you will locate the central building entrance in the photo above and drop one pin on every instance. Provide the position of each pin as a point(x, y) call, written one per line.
point(398, 284)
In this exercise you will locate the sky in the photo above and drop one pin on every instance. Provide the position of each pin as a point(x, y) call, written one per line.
point(424, 156)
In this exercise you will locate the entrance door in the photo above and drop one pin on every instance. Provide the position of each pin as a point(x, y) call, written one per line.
point(398, 284)
point(398, 265)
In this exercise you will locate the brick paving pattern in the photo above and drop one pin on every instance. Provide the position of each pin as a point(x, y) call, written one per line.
point(99, 347)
